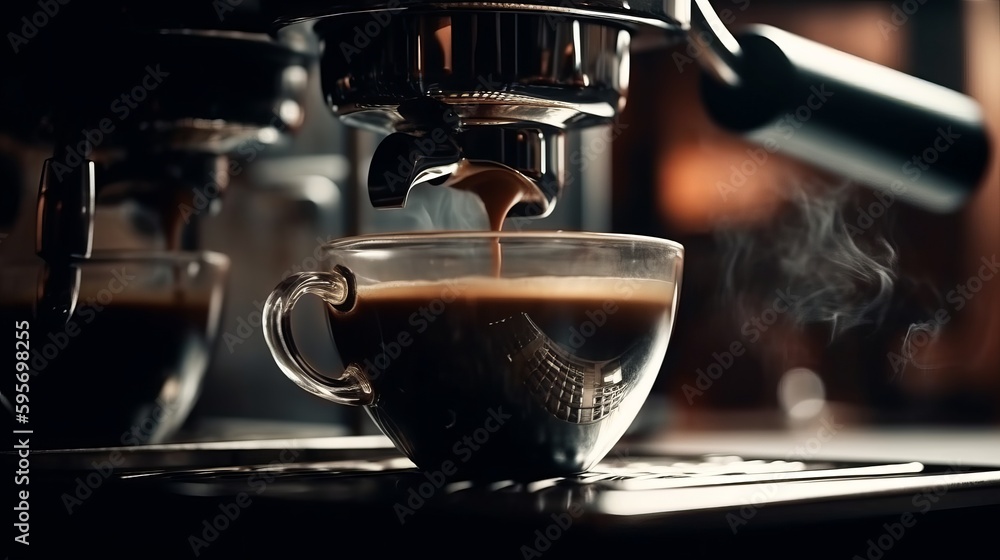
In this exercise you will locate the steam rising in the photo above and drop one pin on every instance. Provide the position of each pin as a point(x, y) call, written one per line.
point(837, 272)
point(436, 208)
point(918, 336)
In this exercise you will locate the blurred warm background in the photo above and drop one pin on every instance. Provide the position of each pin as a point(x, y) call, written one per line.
point(948, 370)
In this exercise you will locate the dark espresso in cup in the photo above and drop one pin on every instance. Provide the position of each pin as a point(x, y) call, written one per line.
point(469, 368)
point(125, 373)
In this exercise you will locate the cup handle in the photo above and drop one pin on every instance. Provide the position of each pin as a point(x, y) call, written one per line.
point(337, 289)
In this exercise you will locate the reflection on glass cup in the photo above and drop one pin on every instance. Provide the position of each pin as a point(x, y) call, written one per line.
point(536, 370)
point(119, 343)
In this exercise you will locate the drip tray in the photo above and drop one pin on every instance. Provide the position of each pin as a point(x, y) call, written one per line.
point(628, 484)
point(232, 498)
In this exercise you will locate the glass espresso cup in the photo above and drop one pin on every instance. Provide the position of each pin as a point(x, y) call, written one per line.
point(117, 345)
point(483, 354)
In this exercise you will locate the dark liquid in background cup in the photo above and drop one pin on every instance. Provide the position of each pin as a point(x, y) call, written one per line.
point(126, 374)
point(445, 357)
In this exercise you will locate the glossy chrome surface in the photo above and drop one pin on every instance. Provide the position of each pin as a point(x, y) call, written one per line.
point(718, 51)
point(520, 72)
point(495, 86)
point(664, 14)
point(534, 157)
point(154, 129)
point(253, 89)
point(65, 208)
point(489, 68)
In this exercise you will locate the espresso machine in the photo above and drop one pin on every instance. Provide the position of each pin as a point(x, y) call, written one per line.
point(446, 83)
point(537, 71)
point(155, 107)
point(150, 127)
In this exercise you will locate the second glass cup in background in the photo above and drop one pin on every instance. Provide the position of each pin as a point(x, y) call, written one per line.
point(119, 343)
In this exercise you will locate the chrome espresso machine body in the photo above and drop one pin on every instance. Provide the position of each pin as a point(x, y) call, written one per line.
point(496, 82)
point(443, 84)
point(504, 82)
